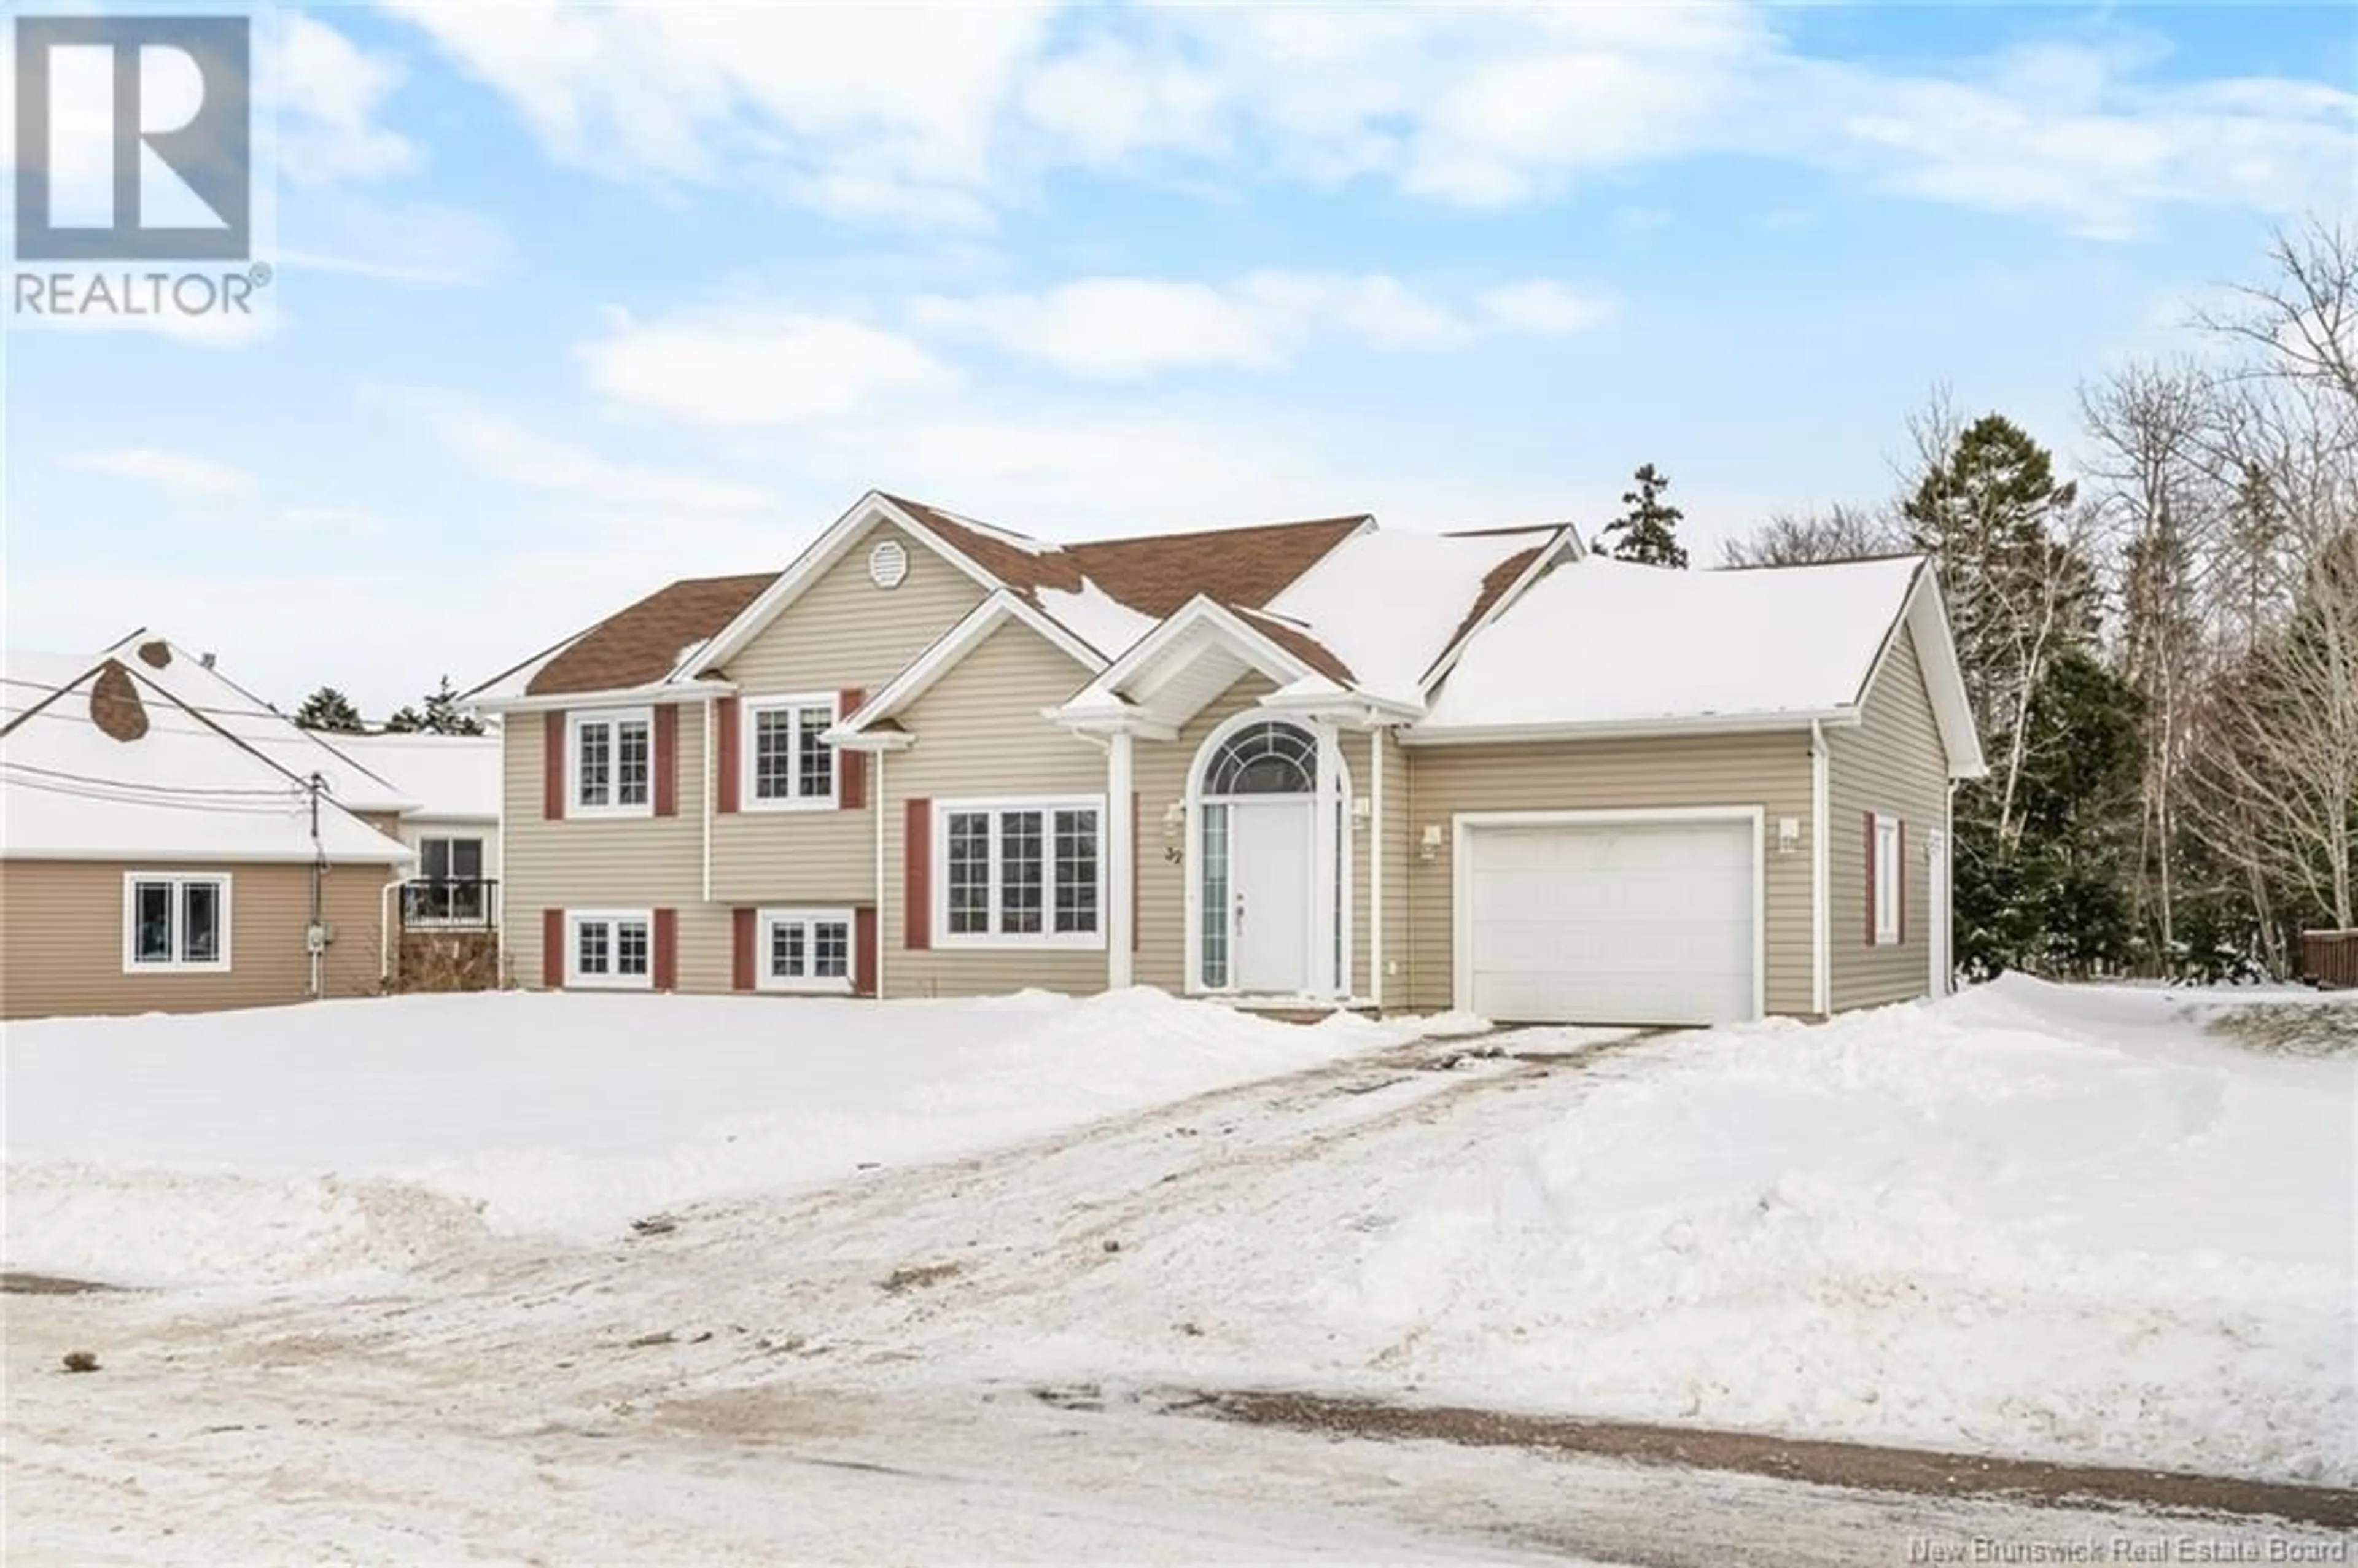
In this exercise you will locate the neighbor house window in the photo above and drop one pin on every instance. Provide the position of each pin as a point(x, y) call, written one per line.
point(611, 947)
point(613, 763)
point(174, 923)
point(1887, 878)
point(450, 883)
point(1020, 871)
point(789, 762)
point(804, 950)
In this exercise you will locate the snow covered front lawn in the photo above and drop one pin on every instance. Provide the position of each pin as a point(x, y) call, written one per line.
point(2058, 1222)
point(281, 1143)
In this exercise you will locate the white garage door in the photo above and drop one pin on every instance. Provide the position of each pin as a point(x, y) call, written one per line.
point(1612, 923)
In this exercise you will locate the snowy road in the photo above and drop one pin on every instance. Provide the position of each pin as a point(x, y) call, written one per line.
point(948, 1361)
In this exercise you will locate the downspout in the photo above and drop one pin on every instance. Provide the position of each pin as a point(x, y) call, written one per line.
point(1375, 868)
point(1821, 975)
point(1949, 890)
point(385, 931)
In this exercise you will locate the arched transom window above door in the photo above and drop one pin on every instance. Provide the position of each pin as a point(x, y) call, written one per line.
point(1268, 758)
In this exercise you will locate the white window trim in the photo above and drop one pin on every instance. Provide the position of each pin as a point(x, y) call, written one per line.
point(749, 710)
point(219, 965)
point(1047, 805)
point(579, 720)
point(1891, 915)
point(574, 979)
point(830, 985)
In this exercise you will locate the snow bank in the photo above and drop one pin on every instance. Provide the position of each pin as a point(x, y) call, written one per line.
point(2029, 1219)
point(288, 1142)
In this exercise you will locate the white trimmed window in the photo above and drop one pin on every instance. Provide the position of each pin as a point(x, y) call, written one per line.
point(1888, 879)
point(611, 947)
point(175, 923)
point(613, 754)
point(788, 765)
point(803, 950)
point(1025, 873)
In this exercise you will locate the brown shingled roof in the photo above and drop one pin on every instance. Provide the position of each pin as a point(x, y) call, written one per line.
point(1153, 575)
point(1494, 583)
point(641, 643)
point(1297, 641)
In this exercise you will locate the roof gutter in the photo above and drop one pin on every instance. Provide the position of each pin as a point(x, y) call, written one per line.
point(699, 690)
point(1613, 729)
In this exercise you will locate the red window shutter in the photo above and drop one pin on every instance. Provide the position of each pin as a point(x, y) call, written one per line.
point(851, 767)
point(667, 953)
point(552, 765)
point(552, 948)
point(725, 759)
point(1870, 879)
point(741, 951)
point(917, 878)
point(1900, 892)
point(864, 950)
point(667, 760)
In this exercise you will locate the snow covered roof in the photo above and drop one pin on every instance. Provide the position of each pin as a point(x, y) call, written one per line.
point(1388, 605)
point(276, 735)
point(1602, 642)
point(443, 776)
point(104, 762)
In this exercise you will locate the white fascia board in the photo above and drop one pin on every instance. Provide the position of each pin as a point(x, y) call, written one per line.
point(1609, 728)
point(1259, 650)
point(661, 693)
point(954, 645)
point(1101, 721)
point(806, 568)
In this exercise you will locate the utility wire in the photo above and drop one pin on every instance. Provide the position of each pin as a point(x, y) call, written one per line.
point(111, 798)
point(289, 793)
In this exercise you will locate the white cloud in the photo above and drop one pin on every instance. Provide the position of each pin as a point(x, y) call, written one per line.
point(754, 366)
point(1545, 308)
point(512, 451)
point(183, 473)
point(1118, 328)
point(950, 116)
point(329, 91)
point(422, 244)
point(342, 522)
point(1116, 325)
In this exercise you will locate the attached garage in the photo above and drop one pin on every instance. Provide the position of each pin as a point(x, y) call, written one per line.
point(1610, 917)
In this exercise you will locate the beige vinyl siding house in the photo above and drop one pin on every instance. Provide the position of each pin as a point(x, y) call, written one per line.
point(63, 951)
point(153, 860)
point(845, 633)
point(1211, 752)
point(1889, 766)
point(1768, 771)
point(981, 738)
point(607, 863)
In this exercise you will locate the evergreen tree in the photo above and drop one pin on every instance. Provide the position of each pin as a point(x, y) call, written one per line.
point(443, 716)
point(328, 709)
point(1648, 531)
point(405, 721)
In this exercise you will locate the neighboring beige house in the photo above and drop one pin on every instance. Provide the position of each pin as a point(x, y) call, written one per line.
point(151, 860)
point(1307, 764)
point(450, 818)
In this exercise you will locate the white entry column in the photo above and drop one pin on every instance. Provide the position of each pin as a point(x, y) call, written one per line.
point(1119, 834)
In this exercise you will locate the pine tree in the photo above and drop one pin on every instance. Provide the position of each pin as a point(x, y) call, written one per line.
point(328, 709)
point(1648, 531)
point(405, 721)
point(443, 716)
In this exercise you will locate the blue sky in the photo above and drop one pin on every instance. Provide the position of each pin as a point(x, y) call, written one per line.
point(576, 299)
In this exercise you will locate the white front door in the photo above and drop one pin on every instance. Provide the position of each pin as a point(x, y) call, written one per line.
point(1268, 883)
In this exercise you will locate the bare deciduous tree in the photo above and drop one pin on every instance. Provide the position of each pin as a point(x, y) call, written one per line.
point(1840, 532)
